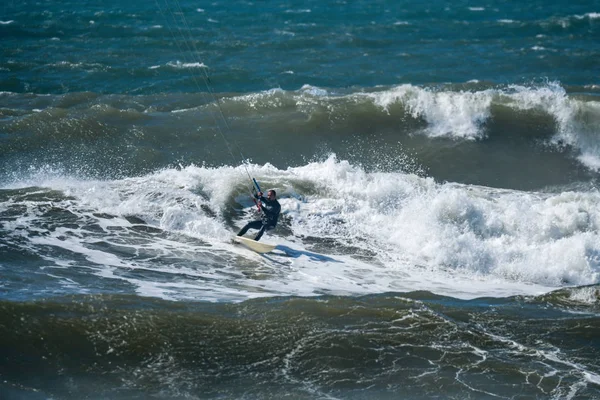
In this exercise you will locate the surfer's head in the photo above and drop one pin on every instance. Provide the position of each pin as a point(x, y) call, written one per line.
point(271, 194)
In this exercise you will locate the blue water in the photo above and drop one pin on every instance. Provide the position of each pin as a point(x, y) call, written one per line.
point(111, 47)
point(438, 167)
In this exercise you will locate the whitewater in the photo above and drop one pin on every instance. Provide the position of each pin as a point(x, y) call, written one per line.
point(344, 231)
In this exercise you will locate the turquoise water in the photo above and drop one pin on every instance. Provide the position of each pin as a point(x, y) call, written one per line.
point(142, 47)
point(437, 165)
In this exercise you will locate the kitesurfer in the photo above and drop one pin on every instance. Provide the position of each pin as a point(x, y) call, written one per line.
point(270, 209)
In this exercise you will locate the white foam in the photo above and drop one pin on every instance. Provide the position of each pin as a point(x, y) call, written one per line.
point(68, 64)
point(298, 11)
point(591, 15)
point(454, 114)
point(482, 232)
point(313, 90)
point(389, 232)
point(180, 65)
point(590, 159)
point(577, 121)
point(587, 295)
point(284, 32)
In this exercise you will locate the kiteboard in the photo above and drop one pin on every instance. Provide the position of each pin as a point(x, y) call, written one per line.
point(254, 245)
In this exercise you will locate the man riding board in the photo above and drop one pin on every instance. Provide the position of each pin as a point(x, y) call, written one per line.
point(270, 209)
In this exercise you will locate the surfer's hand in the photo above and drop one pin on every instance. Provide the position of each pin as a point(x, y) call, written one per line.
point(259, 194)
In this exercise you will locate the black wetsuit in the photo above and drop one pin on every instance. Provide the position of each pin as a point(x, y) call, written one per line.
point(270, 213)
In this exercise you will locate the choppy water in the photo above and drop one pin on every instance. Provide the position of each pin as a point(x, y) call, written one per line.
point(382, 346)
point(437, 165)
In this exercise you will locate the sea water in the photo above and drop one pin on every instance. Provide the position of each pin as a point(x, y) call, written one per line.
point(437, 164)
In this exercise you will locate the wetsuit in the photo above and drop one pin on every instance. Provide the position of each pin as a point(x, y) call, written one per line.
point(270, 213)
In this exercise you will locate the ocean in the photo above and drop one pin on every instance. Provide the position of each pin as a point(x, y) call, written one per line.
point(437, 164)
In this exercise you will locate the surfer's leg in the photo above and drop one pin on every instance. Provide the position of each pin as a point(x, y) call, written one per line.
point(250, 225)
point(260, 233)
point(263, 229)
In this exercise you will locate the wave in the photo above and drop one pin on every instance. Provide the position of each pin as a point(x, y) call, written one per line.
point(528, 124)
point(399, 230)
point(591, 15)
point(555, 24)
point(89, 67)
point(186, 65)
point(455, 114)
point(578, 299)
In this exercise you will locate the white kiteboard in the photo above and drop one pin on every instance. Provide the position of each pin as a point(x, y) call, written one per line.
point(254, 245)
